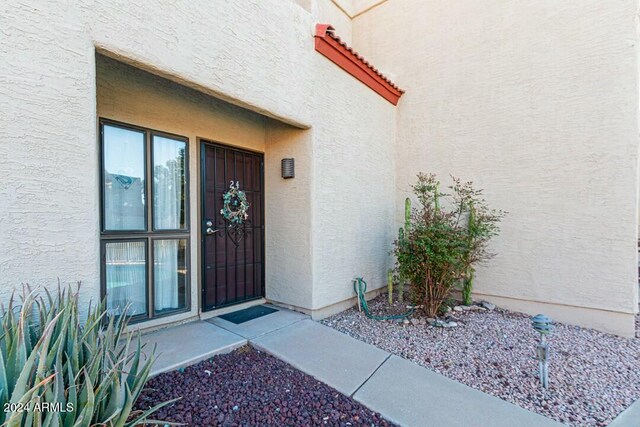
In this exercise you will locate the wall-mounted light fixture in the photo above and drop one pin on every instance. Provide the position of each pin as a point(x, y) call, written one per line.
point(288, 168)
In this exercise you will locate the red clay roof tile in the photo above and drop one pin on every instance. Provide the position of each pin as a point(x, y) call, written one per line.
point(331, 46)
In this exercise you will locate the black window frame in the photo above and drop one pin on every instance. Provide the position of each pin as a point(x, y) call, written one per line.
point(149, 234)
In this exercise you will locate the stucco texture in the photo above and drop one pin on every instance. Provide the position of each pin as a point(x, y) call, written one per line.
point(53, 87)
point(537, 103)
point(48, 184)
point(289, 247)
point(328, 12)
point(354, 181)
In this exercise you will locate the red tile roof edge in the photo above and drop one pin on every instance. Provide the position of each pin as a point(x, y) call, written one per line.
point(331, 46)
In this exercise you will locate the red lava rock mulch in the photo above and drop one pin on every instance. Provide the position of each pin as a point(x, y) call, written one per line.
point(250, 388)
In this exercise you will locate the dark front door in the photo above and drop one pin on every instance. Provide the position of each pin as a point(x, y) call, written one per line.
point(232, 250)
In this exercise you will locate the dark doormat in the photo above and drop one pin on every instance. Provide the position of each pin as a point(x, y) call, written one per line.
point(247, 314)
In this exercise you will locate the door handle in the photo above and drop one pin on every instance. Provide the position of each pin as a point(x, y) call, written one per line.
point(209, 230)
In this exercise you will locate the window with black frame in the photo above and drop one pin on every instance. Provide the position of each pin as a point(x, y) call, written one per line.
point(144, 220)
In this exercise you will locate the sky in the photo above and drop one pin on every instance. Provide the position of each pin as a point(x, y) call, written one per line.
point(124, 151)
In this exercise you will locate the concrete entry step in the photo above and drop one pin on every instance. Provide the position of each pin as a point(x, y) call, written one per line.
point(261, 325)
point(330, 356)
point(184, 345)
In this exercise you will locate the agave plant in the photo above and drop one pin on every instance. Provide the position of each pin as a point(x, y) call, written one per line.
point(57, 371)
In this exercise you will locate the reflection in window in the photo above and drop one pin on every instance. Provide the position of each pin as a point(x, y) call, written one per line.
point(169, 274)
point(124, 185)
point(144, 218)
point(169, 182)
point(126, 277)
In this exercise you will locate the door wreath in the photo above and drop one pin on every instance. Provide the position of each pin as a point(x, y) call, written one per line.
point(235, 206)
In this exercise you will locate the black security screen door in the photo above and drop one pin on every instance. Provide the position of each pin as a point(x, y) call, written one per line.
point(232, 246)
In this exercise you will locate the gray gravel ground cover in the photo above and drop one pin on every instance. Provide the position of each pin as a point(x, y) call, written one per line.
point(593, 376)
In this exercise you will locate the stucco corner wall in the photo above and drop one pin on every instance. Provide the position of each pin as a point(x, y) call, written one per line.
point(327, 12)
point(289, 247)
point(537, 103)
point(354, 185)
point(48, 225)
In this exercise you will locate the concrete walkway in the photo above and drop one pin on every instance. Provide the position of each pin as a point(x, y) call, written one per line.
point(403, 392)
point(629, 417)
point(411, 395)
point(324, 353)
point(188, 344)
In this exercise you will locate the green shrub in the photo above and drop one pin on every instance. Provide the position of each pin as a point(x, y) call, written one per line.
point(439, 248)
point(58, 371)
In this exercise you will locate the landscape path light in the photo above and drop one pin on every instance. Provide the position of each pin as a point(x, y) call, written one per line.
point(543, 325)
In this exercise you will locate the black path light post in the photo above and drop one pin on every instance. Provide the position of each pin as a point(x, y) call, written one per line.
point(543, 325)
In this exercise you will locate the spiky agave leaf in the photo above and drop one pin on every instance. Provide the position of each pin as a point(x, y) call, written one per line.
point(15, 418)
point(47, 356)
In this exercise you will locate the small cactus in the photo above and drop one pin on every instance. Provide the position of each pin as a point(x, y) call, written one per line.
point(407, 213)
point(407, 226)
point(402, 233)
point(400, 277)
point(467, 285)
point(390, 285)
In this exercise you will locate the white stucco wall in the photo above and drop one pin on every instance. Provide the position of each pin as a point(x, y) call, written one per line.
point(353, 204)
point(48, 201)
point(289, 244)
point(350, 169)
point(354, 8)
point(363, 6)
point(328, 12)
point(227, 49)
point(536, 102)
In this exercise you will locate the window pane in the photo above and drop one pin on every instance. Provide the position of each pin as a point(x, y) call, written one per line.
point(169, 183)
point(124, 179)
point(126, 277)
point(169, 274)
